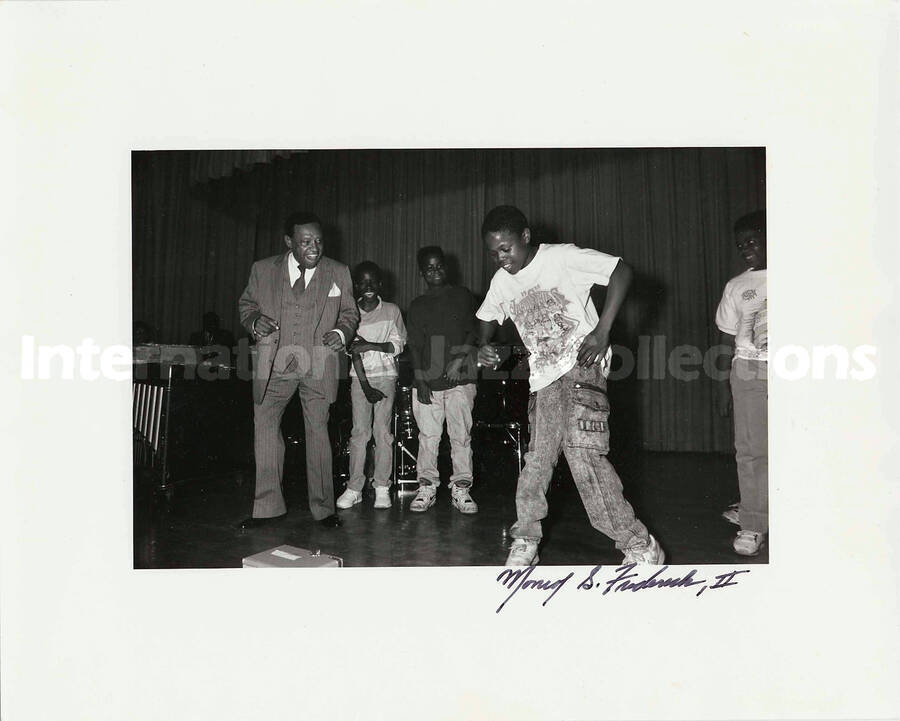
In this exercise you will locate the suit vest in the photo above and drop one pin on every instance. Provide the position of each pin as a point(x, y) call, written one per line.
point(297, 323)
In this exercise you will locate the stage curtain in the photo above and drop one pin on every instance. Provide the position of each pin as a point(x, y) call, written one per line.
point(214, 164)
point(667, 212)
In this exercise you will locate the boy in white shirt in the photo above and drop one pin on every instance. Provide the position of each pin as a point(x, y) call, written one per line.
point(545, 290)
point(373, 382)
point(742, 318)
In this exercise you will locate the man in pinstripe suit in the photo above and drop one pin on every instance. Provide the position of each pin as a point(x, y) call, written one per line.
point(299, 307)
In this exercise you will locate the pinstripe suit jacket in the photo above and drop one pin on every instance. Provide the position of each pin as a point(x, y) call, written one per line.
point(333, 309)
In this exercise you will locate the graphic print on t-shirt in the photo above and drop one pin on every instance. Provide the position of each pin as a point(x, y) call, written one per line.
point(742, 312)
point(752, 338)
point(545, 327)
point(761, 328)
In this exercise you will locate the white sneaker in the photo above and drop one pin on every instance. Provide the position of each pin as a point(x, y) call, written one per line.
point(348, 499)
point(523, 552)
point(462, 501)
point(732, 514)
point(651, 554)
point(382, 497)
point(748, 543)
point(424, 499)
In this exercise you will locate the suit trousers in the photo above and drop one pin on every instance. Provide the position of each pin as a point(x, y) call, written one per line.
point(269, 445)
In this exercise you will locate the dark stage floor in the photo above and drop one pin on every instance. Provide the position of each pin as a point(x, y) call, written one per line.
point(678, 495)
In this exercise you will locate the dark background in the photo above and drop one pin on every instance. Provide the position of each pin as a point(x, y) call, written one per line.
point(200, 218)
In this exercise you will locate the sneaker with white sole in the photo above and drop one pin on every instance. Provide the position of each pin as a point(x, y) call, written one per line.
point(650, 554)
point(462, 501)
point(348, 499)
point(748, 543)
point(424, 499)
point(523, 552)
point(382, 497)
point(732, 514)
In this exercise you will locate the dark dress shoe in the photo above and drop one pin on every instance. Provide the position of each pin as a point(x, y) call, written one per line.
point(259, 522)
point(331, 521)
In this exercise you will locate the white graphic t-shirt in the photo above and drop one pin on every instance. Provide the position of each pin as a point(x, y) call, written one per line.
point(743, 313)
point(549, 301)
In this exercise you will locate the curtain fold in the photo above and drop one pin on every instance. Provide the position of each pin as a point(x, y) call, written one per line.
point(200, 218)
point(213, 164)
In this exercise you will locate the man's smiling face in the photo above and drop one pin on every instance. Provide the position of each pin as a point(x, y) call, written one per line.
point(306, 244)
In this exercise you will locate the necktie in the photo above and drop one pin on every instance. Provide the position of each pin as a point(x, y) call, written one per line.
point(300, 283)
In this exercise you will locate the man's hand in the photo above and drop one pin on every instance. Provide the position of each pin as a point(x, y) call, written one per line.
point(723, 399)
point(373, 395)
point(332, 340)
point(423, 393)
point(593, 348)
point(454, 369)
point(488, 356)
point(264, 325)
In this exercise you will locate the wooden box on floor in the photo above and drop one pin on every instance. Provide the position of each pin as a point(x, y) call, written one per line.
point(291, 557)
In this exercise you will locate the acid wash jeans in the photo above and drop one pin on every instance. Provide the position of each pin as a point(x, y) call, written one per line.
point(572, 415)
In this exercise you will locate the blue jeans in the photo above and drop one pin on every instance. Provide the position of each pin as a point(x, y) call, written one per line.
point(572, 415)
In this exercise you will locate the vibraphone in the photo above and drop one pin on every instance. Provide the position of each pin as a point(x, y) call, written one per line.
point(191, 418)
point(150, 408)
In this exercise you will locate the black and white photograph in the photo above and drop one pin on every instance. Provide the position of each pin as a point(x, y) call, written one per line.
point(400, 440)
point(401, 360)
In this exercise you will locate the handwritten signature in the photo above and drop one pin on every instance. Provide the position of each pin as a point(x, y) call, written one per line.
point(623, 580)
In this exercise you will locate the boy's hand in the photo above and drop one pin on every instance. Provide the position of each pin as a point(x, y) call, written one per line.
point(332, 340)
point(423, 393)
point(373, 395)
point(488, 356)
point(454, 369)
point(593, 348)
point(360, 346)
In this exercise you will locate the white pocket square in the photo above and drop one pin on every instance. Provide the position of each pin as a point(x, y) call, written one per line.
point(334, 292)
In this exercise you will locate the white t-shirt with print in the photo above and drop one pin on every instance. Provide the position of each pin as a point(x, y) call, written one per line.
point(549, 301)
point(743, 313)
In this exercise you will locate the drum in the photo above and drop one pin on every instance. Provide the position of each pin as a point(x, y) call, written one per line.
point(503, 391)
point(340, 426)
point(501, 401)
point(340, 447)
point(500, 415)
